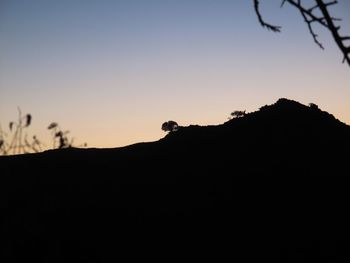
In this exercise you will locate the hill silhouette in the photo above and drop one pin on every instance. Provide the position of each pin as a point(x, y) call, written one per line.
point(273, 184)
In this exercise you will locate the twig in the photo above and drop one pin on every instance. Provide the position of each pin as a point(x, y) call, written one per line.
point(314, 36)
point(273, 28)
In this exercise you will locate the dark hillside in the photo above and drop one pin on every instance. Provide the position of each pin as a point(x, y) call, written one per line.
point(273, 184)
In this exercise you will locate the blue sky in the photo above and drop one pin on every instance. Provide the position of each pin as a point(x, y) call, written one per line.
point(113, 71)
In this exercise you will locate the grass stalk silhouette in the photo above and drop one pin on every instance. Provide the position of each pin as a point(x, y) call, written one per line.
point(18, 145)
point(21, 143)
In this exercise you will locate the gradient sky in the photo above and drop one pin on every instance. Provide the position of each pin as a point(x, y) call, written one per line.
point(112, 72)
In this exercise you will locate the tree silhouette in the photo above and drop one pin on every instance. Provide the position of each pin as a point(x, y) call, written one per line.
point(170, 126)
point(325, 19)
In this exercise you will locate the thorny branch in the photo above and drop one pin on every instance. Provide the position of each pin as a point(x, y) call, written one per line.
point(262, 22)
point(326, 20)
point(309, 21)
point(335, 30)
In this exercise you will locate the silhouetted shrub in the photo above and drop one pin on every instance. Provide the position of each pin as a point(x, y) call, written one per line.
point(313, 106)
point(238, 114)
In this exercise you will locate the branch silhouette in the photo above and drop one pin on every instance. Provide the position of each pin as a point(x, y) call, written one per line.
point(273, 28)
point(308, 13)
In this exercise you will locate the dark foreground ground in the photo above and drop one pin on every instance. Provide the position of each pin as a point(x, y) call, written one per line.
point(272, 185)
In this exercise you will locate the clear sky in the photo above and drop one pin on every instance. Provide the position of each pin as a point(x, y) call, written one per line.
point(112, 72)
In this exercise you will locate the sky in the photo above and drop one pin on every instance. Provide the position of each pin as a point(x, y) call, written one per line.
point(111, 72)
